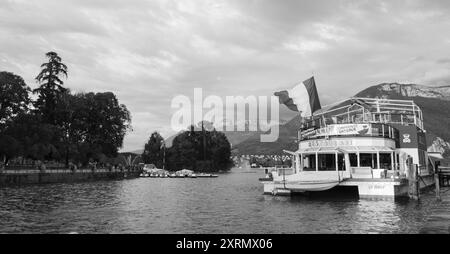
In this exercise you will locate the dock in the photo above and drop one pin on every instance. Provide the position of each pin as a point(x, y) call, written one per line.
point(444, 176)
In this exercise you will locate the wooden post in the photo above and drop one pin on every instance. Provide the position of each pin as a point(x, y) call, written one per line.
point(436, 180)
point(413, 181)
point(417, 181)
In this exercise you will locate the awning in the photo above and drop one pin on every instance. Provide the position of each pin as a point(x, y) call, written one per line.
point(346, 149)
point(319, 150)
point(367, 149)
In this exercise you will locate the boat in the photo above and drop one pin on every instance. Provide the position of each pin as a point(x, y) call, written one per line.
point(192, 176)
point(144, 175)
point(319, 185)
point(376, 146)
point(267, 177)
point(204, 175)
point(184, 172)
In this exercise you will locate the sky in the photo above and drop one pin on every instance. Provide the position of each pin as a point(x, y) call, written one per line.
point(148, 52)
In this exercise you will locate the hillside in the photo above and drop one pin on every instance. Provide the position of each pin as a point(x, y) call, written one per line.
point(286, 141)
point(434, 102)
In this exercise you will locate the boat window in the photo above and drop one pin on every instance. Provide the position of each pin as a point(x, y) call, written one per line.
point(353, 159)
point(341, 162)
point(327, 162)
point(386, 131)
point(309, 162)
point(368, 160)
point(385, 161)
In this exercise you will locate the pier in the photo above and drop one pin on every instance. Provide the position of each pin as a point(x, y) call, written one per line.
point(444, 176)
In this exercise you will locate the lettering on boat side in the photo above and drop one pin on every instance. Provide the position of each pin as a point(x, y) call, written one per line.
point(376, 186)
point(339, 129)
point(329, 143)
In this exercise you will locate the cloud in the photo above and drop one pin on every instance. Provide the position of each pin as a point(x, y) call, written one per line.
point(149, 51)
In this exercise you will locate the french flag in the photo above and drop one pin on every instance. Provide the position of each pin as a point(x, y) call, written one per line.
point(302, 98)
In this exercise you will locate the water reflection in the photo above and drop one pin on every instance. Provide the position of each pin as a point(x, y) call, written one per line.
point(232, 203)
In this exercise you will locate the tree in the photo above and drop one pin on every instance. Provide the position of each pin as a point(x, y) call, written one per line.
point(154, 150)
point(65, 126)
point(51, 86)
point(220, 150)
point(9, 148)
point(107, 122)
point(92, 125)
point(37, 140)
point(200, 149)
point(13, 96)
point(70, 125)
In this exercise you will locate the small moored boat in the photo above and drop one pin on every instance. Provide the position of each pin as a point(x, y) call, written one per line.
point(203, 175)
point(312, 185)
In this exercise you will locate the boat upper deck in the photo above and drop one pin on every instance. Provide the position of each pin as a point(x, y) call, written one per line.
point(362, 117)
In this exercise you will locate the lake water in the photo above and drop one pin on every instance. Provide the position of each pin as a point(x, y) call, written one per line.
point(231, 203)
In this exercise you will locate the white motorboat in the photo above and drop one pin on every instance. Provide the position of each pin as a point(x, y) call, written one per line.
point(203, 175)
point(312, 185)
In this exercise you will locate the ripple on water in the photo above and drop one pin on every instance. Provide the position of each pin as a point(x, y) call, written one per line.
point(231, 203)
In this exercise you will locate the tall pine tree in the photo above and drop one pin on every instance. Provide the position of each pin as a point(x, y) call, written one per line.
point(51, 87)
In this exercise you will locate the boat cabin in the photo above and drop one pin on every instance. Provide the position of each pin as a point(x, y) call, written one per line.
point(366, 137)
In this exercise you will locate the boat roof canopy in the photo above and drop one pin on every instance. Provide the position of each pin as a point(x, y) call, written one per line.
point(346, 149)
point(366, 110)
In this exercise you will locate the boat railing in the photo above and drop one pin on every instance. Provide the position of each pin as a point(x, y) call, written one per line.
point(388, 172)
point(362, 118)
point(375, 130)
point(367, 110)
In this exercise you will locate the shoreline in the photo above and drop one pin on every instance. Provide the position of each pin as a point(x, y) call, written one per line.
point(10, 178)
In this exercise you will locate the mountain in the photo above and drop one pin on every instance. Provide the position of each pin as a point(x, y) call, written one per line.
point(396, 90)
point(286, 141)
point(140, 151)
point(434, 102)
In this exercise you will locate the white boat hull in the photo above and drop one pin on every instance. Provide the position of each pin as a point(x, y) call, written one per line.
point(306, 181)
point(311, 185)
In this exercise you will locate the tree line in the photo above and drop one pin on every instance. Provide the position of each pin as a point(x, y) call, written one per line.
point(51, 123)
point(200, 148)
